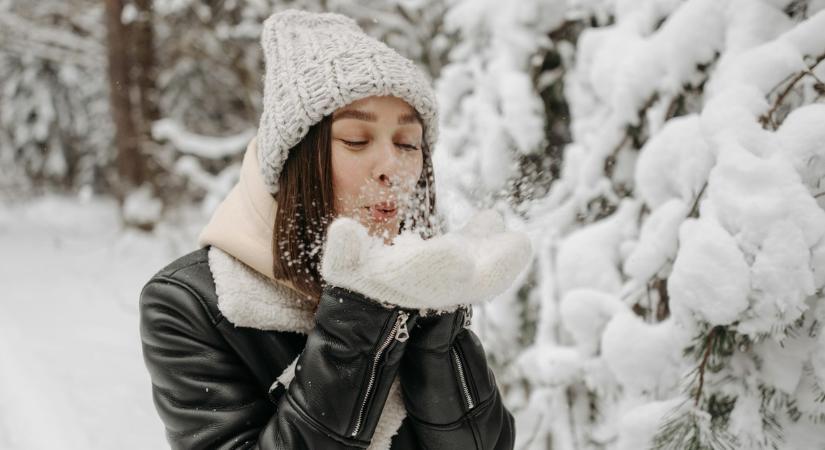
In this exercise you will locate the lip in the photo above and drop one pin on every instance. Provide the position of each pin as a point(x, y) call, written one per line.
point(382, 211)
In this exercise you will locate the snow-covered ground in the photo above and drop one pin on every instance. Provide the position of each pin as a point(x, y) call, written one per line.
point(71, 369)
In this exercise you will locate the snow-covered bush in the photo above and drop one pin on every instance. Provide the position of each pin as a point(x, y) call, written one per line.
point(676, 300)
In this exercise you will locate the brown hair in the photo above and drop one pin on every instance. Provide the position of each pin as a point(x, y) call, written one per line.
point(306, 208)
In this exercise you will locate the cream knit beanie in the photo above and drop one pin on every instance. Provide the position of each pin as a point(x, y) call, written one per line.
point(319, 62)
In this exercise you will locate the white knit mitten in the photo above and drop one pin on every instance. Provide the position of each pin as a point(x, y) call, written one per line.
point(470, 265)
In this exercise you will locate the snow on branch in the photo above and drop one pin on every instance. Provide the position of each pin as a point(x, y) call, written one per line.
point(767, 118)
point(202, 146)
point(25, 37)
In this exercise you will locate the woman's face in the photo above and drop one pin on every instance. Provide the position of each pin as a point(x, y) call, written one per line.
point(376, 161)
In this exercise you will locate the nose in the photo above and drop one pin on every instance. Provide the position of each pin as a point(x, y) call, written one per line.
point(387, 165)
point(385, 180)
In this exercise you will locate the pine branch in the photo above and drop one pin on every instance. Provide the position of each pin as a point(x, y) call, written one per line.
point(689, 428)
point(767, 118)
point(631, 133)
point(708, 345)
point(694, 209)
point(663, 307)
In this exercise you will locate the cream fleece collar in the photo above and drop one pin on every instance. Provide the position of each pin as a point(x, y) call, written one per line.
point(248, 299)
point(240, 259)
point(242, 223)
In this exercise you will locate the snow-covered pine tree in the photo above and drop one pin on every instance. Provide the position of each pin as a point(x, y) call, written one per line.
point(496, 144)
point(680, 253)
point(505, 122)
point(52, 97)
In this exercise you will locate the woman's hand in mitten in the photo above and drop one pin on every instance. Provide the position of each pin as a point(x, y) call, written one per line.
point(469, 265)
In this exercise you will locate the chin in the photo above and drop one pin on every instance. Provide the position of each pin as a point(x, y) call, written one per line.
point(387, 230)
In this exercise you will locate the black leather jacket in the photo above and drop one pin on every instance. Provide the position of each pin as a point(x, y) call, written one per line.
point(211, 380)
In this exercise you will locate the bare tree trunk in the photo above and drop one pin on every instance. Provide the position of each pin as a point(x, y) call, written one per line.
point(147, 71)
point(130, 165)
point(149, 111)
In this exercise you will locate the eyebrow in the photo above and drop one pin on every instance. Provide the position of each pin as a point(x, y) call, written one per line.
point(371, 117)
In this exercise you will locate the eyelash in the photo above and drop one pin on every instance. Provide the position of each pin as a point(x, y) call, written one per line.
point(359, 143)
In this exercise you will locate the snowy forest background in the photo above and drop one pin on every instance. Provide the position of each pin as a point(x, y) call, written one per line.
point(666, 158)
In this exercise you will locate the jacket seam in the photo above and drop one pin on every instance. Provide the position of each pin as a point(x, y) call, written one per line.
point(168, 279)
point(321, 427)
point(178, 269)
point(427, 351)
point(456, 423)
point(171, 399)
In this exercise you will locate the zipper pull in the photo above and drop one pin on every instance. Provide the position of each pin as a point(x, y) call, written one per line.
point(468, 316)
point(401, 332)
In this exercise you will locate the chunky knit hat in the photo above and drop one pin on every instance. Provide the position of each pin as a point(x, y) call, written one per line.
point(319, 62)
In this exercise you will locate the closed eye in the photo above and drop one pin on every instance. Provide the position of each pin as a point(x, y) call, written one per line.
point(353, 143)
point(410, 147)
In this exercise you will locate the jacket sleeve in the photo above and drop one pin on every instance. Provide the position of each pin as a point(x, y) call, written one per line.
point(449, 391)
point(206, 396)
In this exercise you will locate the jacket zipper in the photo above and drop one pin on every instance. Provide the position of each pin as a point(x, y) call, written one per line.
point(398, 332)
point(462, 379)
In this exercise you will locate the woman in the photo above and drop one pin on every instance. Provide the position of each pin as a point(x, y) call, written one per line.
point(326, 309)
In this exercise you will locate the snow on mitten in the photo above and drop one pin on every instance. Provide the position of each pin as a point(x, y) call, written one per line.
point(499, 255)
point(412, 273)
point(483, 223)
point(467, 266)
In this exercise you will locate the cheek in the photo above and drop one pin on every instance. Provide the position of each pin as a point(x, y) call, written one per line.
point(347, 180)
point(414, 168)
